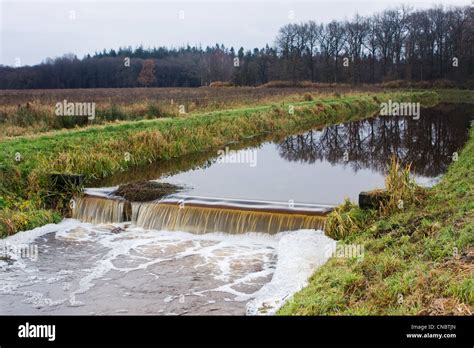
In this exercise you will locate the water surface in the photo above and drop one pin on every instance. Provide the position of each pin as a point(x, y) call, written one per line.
point(328, 165)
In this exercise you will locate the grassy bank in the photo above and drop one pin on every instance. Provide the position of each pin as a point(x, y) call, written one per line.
point(417, 257)
point(100, 151)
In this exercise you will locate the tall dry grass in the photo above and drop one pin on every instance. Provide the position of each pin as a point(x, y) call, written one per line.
point(400, 194)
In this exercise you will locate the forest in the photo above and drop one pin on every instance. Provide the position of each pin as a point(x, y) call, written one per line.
point(397, 44)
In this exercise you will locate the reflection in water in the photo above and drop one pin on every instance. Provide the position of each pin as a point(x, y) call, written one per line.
point(312, 168)
point(428, 143)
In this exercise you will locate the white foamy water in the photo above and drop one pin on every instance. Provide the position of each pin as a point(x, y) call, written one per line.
point(299, 254)
point(122, 269)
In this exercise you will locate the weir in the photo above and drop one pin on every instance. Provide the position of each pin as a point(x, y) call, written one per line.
point(203, 214)
point(95, 209)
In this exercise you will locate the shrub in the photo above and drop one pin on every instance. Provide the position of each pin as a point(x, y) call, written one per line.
point(395, 84)
point(444, 84)
point(399, 186)
point(439, 84)
point(113, 113)
point(219, 84)
point(278, 84)
point(345, 220)
point(156, 110)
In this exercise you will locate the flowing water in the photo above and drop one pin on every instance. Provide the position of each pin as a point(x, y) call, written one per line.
point(201, 215)
point(86, 268)
point(172, 257)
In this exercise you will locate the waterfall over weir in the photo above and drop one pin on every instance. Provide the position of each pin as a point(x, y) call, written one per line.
point(95, 209)
point(197, 219)
point(202, 215)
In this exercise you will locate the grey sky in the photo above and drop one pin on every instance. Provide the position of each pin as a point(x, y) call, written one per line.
point(34, 30)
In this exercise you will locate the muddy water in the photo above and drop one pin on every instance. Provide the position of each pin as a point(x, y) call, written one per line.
point(90, 269)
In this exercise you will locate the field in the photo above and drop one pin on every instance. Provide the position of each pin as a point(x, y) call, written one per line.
point(133, 95)
point(25, 112)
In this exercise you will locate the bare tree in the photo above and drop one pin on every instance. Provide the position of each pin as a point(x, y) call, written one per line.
point(337, 40)
point(313, 33)
point(357, 31)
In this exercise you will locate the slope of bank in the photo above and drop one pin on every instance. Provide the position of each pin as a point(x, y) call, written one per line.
point(418, 260)
point(28, 198)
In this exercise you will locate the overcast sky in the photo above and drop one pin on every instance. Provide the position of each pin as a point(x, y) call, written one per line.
point(34, 30)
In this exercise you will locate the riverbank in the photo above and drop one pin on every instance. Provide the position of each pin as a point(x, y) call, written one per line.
point(417, 260)
point(29, 198)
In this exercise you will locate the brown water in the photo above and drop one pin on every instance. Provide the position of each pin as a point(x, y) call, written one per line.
point(99, 210)
point(171, 217)
point(85, 268)
point(200, 215)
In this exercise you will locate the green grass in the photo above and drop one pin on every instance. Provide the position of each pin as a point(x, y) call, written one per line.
point(456, 96)
point(101, 151)
point(414, 258)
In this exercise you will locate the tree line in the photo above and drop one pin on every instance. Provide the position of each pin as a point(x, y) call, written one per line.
point(396, 44)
